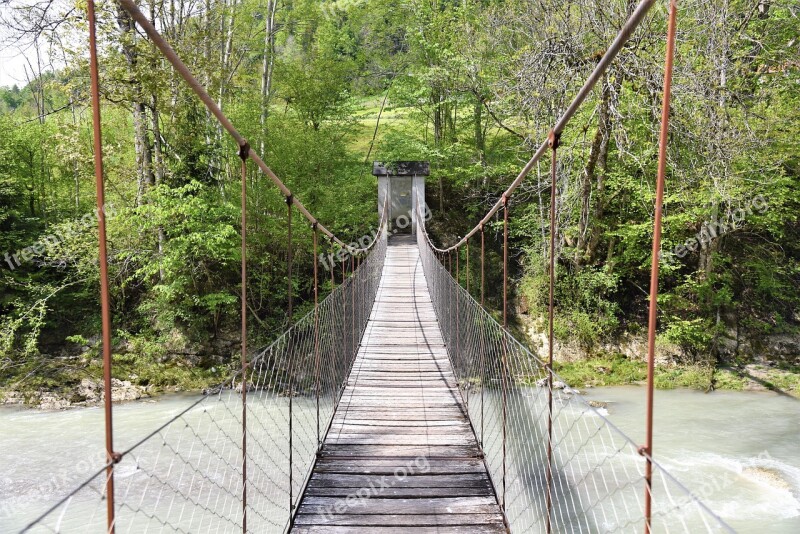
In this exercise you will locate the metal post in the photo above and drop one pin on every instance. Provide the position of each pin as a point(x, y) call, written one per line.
point(457, 354)
point(334, 342)
point(344, 328)
point(450, 297)
point(105, 300)
point(554, 141)
point(505, 261)
point(470, 357)
point(467, 281)
point(352, 306)
point(289, 202)
point(504, 369)
point(315, 228)
point(483, 256)
point(653, 316)
point(244, 150)
point(360, 301)
point(484, 378)
point(333, 268)
point(458, 267)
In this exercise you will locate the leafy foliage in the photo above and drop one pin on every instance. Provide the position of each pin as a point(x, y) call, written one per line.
point(472, 87)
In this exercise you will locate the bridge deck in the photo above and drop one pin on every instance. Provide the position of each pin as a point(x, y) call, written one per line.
point(400, 447)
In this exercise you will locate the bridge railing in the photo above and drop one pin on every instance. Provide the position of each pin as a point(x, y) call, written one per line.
point(187, 476)
point(556, 466)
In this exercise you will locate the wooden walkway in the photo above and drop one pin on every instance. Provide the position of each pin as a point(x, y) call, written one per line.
point(400, 455)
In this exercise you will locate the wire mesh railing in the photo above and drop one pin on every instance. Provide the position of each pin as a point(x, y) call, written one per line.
point(560, 469)
point(187, 475)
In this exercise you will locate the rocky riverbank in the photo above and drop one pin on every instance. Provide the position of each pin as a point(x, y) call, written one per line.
point(88, 393)
point(771, 363)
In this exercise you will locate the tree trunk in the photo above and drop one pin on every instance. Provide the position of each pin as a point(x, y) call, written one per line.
point(597, 155)
point(159, 176)
point(480, 138)
point(266, 69)
point(75, 169)
point(144, 159)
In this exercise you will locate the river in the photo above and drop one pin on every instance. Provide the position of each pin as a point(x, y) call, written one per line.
point(738, 451)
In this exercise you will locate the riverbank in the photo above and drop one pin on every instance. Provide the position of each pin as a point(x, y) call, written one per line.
point(619, 370)
point(594, 372)
point(77, 381)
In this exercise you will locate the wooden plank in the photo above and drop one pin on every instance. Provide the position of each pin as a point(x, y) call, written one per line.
point(455, 529)
point(422, 506)
point(399, 432)
point(432, 414)
point(338, 480)
point(388, 466)
point(403, 425)
point(407, 493)
point(400, 520)
point(431, 440)
point(402, 394)
point(408, 451)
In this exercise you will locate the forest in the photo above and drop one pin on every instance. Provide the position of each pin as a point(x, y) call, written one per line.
point(321, 89)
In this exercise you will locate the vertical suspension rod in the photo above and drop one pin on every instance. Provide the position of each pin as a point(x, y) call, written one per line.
point(315, 229)
point(105, 300)
point(457, 355)
point(504, 369)
point(647, 450)
point(467, 281)
point(352, 307)
point(243, 151)
point(554, 139)
point(289, 202)
point(450, 302)
point(484, 377)
point(468, 357)
point(334, 343)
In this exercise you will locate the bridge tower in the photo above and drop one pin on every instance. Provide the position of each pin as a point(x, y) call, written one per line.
point(403, 184)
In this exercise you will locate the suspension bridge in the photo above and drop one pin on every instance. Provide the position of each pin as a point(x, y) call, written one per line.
point(398, 404)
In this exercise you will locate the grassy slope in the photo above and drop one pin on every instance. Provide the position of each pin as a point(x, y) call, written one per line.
point(619, 370)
